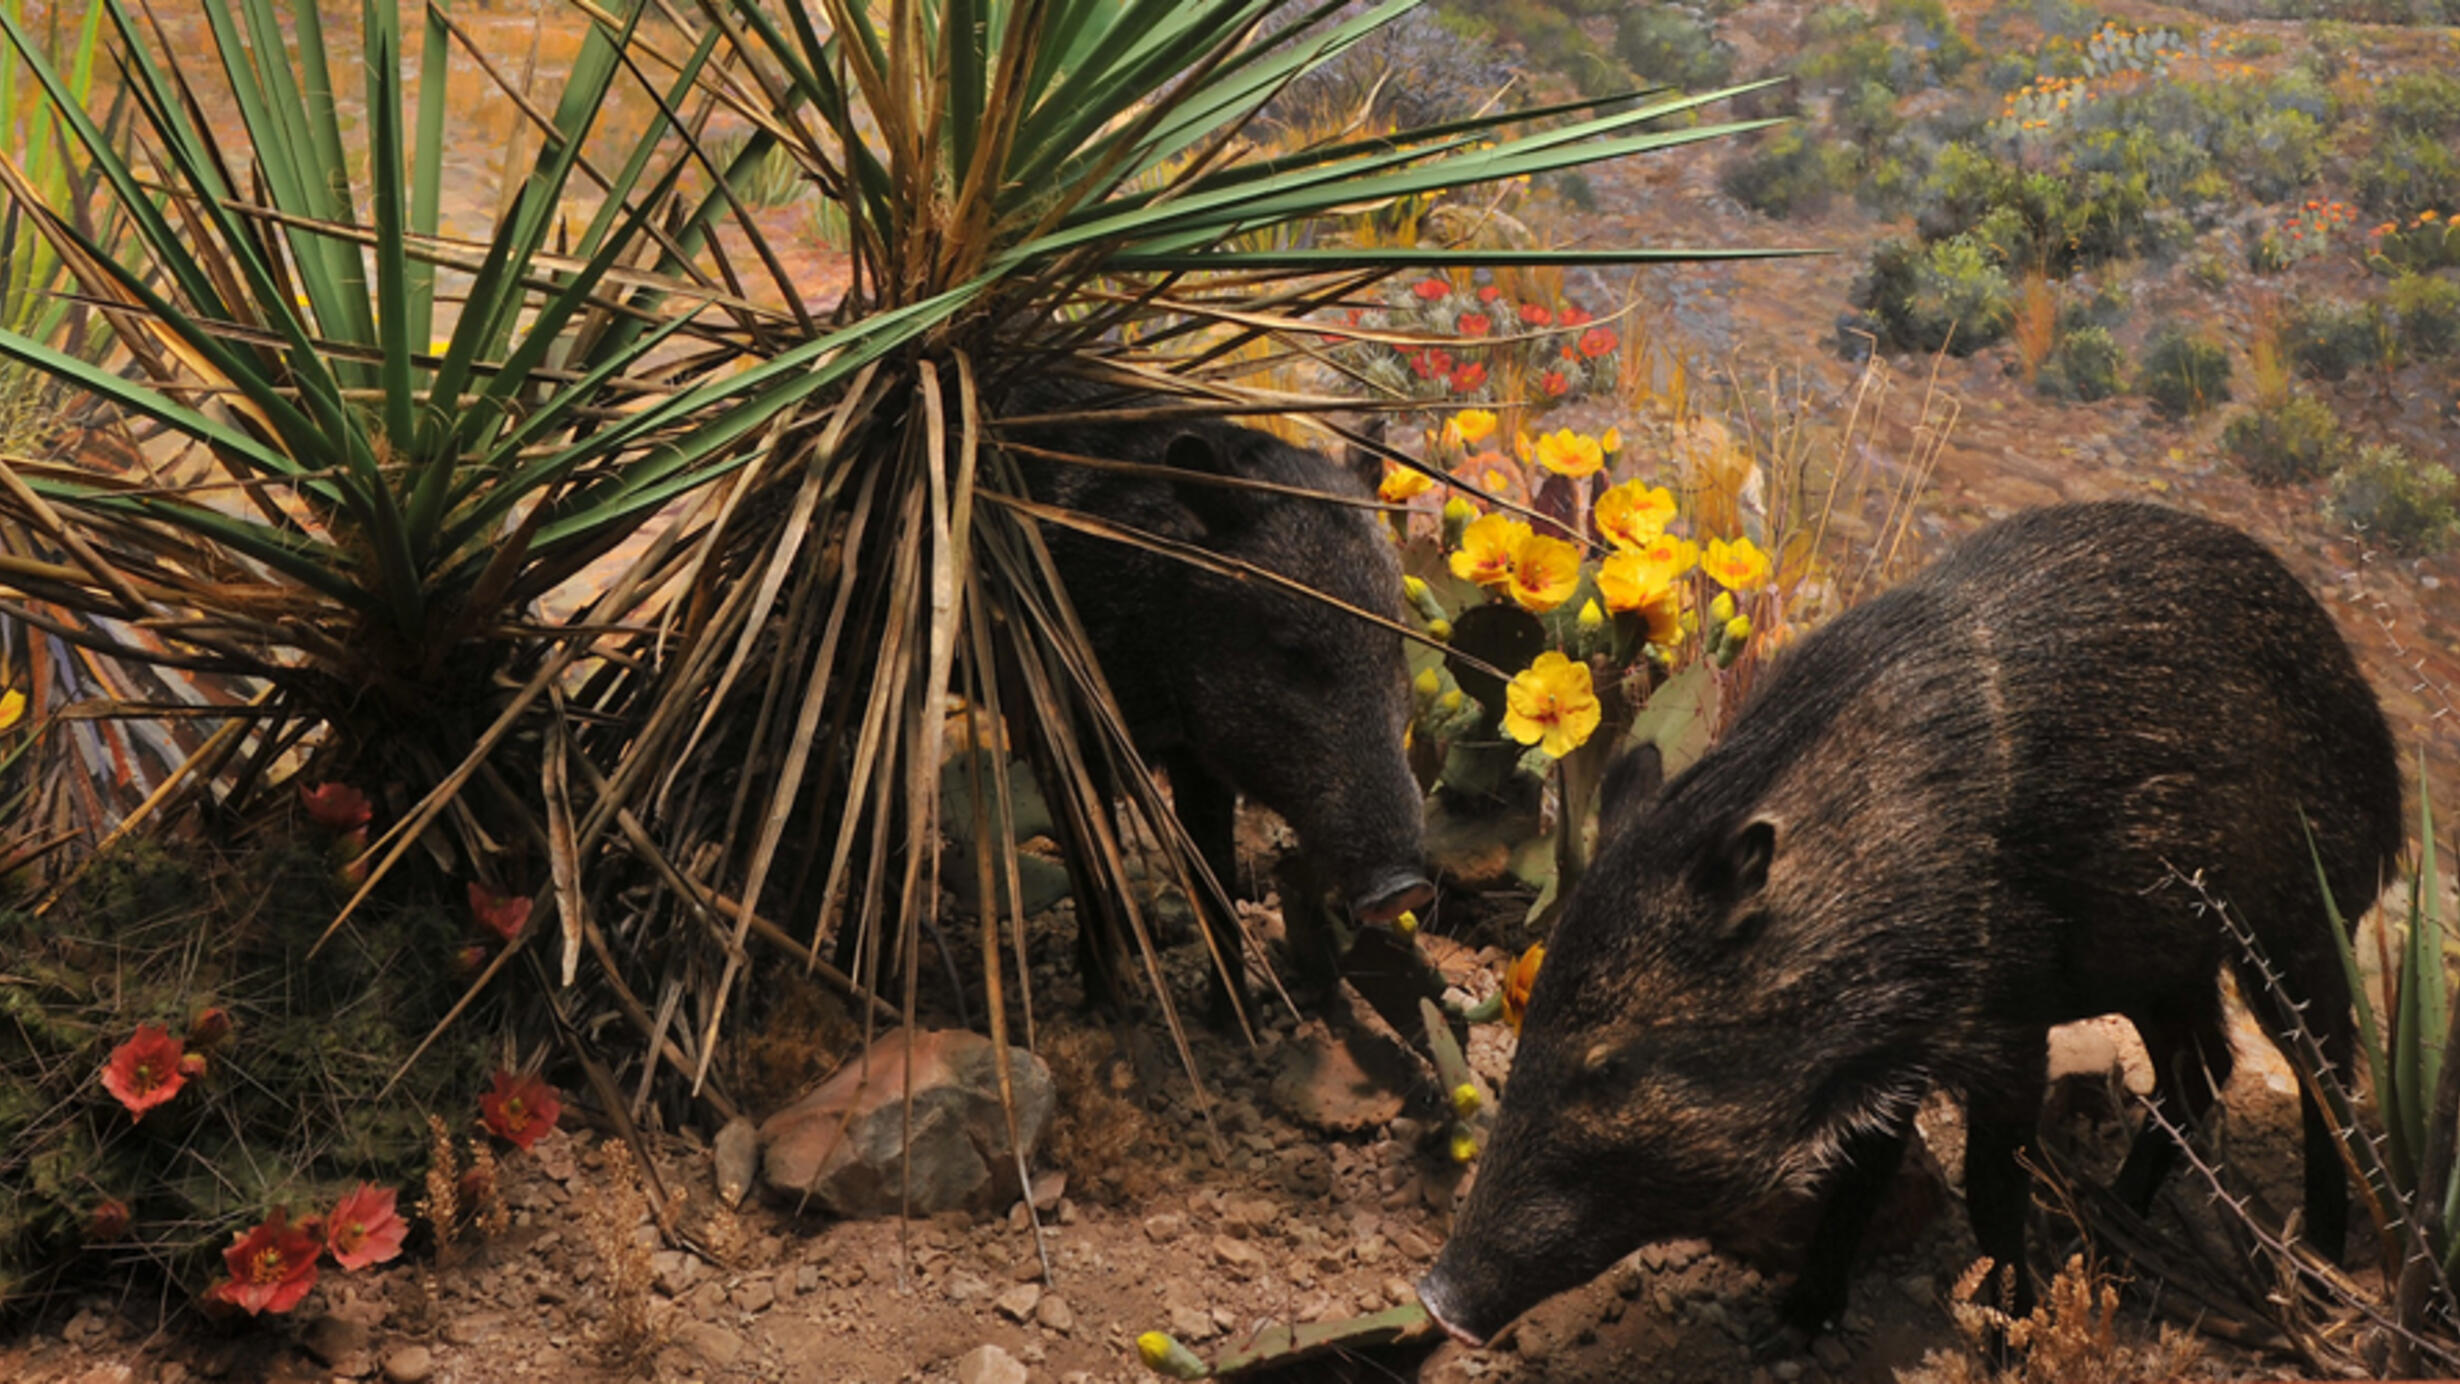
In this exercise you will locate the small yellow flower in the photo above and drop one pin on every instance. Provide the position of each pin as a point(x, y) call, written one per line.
point(1488, 547)
point(1736, 566)
point(1403, 484)
point(1612, 441)
point(1465, 1100)
point(1407, 923)
point(1567, 453)
point(12, 708)
point(1551, 704)
point(1545, 572)
point(1519, 981)
point(1474, 425)
point(1631, 514)
point(1464, 1147)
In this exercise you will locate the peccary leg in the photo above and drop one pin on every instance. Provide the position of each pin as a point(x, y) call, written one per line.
point(2191, 1062)
point(2000, 1124)
point(2327, 1177)
point(1861, 1185)
point(1208, 809)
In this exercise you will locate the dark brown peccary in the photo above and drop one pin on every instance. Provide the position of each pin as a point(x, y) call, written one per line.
point(1945, 823)
point(1233, 685)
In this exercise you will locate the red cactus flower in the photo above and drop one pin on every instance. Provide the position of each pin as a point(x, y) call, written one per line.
point(144, 1071)
point(108, 1221)
point(502, 914)
point(1598, 341)
point(336, 806)
point(1488, 293)
point(1428, 290)
point(519, 1108)
point(1573, 317)
point(1554, 384)
point(1536, 315)
point(365, 1228)
point(1468, 375)
point(1476, 324)
point(272, 1266)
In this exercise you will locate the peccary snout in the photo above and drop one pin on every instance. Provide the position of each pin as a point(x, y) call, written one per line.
point(1952, 818)
point(1391, 895)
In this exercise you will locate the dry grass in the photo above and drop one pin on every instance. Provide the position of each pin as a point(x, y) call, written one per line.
point(612, 1214)
point(2071, 1337)
point(1099, 1135)
point(2036, 329)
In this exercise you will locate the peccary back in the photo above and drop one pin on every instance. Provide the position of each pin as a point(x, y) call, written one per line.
point(1954, 817)
point(1235, 684)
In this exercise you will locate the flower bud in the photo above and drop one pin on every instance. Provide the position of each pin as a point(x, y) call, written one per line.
point(1464, 1147)
point(1591, 618)
point(1163, 1355)
point(1465, 1100)
point(1721, 609)
point(1407, 923)
point(1738, 629)
point(1457, 514)
point(210, 1026)
point(192, 1065)
point(1414, 588)
point(1428, 685)
point(1450, 701)
point(1439, 630)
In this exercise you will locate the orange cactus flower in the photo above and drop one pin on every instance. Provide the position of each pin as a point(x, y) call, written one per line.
point(1488, 549)
point(1519, 981)
point(1567, 453)
point(1545, 573)
point(272, 1266)
point(144, 1071)
point(1737, 566)
point(502, 914)
point(336, 806)
point(1633, 513)
point(521, 1109)
point(365, 1228)
point(1551, 704)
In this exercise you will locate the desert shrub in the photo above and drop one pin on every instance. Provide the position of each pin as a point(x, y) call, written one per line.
point(2420, 103)
point(2183, 374)
point(2104, 305)
point(2408, 505)
point(1888, 182)
point(1791, 172)
point(1427, 67)
point(1555, 41)
point(2209, 272)
point(2085, 365)
point(1954, 295)
point(2275, 154)
point(1667, 44)
point(2408, 174)
point(1865, 114)
point(1927, 28)
point(2297, 439)
point(2426, 311)
point(2327, 340)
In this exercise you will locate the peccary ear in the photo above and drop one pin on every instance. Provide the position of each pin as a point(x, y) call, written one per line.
point(1221, 509)
point(1737, 867)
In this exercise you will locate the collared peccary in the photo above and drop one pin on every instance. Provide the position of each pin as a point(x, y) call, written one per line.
point(1234, 685)
point(1946, 822)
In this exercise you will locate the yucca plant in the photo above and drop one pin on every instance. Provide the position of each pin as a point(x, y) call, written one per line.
point(1061, 188)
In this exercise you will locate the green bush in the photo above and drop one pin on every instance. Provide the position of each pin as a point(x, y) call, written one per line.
point(1953, 295)
point(1791, 172)
point(2408, 174)
point(2420, 103)
point(2327, 340)
point(2408, 505)
point(2209, 272)
point(2085, 365)
point(1926, 27)
point(1865, 114)
point(2298, 439)
point(2275, 154)
point(2184, 375)
point(2426, 308)
point(1665, 44)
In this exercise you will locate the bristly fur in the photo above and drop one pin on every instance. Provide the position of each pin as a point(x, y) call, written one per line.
point(1934, 833)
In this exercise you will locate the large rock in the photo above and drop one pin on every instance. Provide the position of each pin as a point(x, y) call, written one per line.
point(845, 1144)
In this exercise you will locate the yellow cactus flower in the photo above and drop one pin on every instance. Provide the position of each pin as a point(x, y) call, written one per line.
point(1567, 453)
point(1545, 572)
point(1522, 448)
point(1551, 704)
point(1630, 581)
point(1488, 547)
point(1403, 484)
point(1632, 514)
point(12, 708)
point(1474, 425)
point(1736, 566)
point(1610, 441)
point(1519, 981)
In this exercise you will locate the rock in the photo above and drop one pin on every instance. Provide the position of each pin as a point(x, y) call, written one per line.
point(1018, 1303)
point(1048, 1186)
point(1164, 1228)
point(1831, 1354)
point(988, 1364)
point(737, 1156)
point(755, 1295)
point(1190, 1325)
point(711, 1344)
point(675, 1271)
point(474, 1328)
point(1334, 1084)
point(329, 1338)
point(409, 1365)
point(845, 1143)
point(1242, 1259)
point(1055, 1315)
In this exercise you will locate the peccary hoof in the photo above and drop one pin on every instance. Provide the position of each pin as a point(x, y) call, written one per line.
point(1783, 1341)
